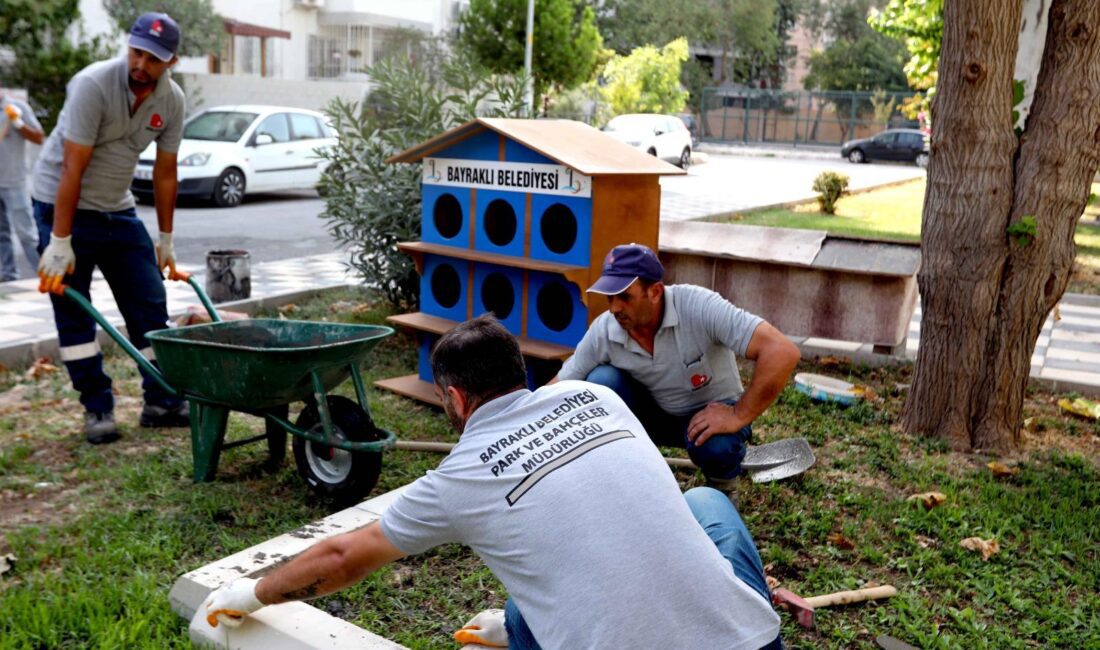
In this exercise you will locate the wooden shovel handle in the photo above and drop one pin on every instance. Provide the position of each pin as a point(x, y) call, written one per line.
point(857, 596)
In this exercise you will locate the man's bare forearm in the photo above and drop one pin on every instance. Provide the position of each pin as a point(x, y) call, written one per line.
point(165, 187)
point(31, 134)
point(68, 196)
point(773, 369)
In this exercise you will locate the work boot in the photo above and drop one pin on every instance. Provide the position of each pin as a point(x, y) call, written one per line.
point(155, 417)
point(100, 428)
point(727, 486)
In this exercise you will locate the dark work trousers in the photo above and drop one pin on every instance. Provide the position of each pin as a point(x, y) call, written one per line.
point(118, 244)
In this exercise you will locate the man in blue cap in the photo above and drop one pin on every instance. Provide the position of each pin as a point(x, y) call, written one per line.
point(86, 219)
point(671, 353)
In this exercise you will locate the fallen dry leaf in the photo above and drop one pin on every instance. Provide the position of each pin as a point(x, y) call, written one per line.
point(926, 542)
point(288, 308)
point(41, 367)
point(773, 583)
point(840, 541)
point(987, 547)
point(829, 362)
point(866, 392)
point(929, 499)
point(1000, 470)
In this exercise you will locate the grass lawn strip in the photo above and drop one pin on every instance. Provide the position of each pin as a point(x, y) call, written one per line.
point(101, 534)
point(894, 213)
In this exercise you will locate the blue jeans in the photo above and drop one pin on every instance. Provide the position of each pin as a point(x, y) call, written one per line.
point(723, 526)
point(119, 245)
point(719, 457)
point(15, 216)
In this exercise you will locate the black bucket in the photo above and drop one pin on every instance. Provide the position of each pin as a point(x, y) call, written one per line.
point(228, 275)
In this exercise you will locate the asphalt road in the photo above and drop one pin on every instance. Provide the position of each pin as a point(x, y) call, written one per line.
point(285, 225)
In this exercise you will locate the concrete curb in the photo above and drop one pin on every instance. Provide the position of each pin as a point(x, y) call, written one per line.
point(769, 152)
point(24, 353)
point(286, 626)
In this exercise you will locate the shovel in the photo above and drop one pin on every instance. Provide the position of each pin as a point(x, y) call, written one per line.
point(777, 460)
point(768, 462)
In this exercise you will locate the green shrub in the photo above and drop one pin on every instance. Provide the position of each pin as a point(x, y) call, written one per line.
point(370, 205)
point(830, 186)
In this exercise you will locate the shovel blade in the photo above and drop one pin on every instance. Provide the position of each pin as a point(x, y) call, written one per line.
point(778, 460)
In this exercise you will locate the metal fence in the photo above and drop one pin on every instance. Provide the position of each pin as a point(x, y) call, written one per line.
point(799, 117)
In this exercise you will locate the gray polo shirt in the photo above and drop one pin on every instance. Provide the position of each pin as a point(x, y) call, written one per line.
point(13, 166)
point(97, 114)
point(693, 360)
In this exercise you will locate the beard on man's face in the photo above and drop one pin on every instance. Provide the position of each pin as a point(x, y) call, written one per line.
point(457, 421)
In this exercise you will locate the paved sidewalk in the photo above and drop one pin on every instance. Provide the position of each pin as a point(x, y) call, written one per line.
point(1067, 355)
point(27, 329)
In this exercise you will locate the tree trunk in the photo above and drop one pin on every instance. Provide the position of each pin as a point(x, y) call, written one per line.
point(984, 294)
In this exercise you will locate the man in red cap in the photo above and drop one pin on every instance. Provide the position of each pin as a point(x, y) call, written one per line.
point(86, 219)
point(671, 353)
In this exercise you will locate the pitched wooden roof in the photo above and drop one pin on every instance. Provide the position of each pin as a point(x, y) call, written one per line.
point(573, 144)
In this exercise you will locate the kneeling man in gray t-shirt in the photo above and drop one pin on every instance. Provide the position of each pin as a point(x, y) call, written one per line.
point(565, 498)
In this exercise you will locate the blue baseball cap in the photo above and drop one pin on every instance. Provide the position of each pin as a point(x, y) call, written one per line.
point(624, 265)
point(157, 34)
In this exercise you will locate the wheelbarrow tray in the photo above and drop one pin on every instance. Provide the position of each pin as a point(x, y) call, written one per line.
point(261, 363)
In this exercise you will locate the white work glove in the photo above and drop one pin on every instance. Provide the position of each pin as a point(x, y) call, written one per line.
point(57, 260)
point(484, 630)
point(231, 602)
point(15, 114)
point(166, 255)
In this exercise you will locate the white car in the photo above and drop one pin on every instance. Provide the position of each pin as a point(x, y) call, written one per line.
point(229, 151)
point(664, 136)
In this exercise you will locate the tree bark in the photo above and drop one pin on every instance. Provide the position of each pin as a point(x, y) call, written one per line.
point(985, 296)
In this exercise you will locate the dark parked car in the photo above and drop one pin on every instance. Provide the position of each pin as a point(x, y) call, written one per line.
point(896, 144)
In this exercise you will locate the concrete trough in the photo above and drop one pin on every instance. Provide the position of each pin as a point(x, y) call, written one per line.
point(805, 282)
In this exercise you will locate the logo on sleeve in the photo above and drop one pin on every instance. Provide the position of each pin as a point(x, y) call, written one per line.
point(156, 122)
point(698, 381)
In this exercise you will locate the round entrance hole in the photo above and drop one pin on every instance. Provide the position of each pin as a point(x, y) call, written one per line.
point(559, 229)
point(500, 222)
point(555, 306)
point(446, 286)
point(497, 295)
point(447, 215)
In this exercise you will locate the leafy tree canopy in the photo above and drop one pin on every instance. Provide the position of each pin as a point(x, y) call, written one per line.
point(873, 62)
point(567, 43)
point(44, 57)
point(647, 80)
point(201, 28)
point(919, 25)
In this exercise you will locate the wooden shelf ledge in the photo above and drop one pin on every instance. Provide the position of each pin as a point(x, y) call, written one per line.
point(578, 275)
point(411, 386)
point(422, 322)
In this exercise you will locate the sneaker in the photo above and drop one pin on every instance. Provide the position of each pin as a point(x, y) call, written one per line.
point(100, 428)
point(165, 416)
point(727, 486)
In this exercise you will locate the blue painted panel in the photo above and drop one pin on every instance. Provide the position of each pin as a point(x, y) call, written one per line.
point(429, 232)
point(443, 290)
point(563, 317)
point(516, 152)
point(500, 289)
point(424, 356)
point(483, 146)
point(552, 229)
point(518, 203)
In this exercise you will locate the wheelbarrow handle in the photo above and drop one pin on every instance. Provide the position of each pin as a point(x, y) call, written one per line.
point(189, 279)
point(122, 341)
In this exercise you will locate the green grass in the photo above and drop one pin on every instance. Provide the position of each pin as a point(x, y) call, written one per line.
point(894, 213)
point(124, 521)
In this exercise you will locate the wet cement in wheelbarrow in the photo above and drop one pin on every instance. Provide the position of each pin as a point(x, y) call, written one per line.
point(254, 335)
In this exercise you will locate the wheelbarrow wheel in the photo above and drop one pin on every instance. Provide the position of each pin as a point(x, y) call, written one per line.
point(342, 476)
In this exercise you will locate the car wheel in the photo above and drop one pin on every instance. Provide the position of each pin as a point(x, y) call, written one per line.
point(922, 160)
point(229, 190)
point(855, 156)
point(685, 158)
point(652, 152)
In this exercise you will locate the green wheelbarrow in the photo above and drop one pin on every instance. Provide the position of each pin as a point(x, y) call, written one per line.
point(260, 367)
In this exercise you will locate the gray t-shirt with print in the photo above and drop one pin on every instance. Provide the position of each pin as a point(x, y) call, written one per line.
point(693, 360)
point(564, 497)
point(13, 150)
point(97, 113)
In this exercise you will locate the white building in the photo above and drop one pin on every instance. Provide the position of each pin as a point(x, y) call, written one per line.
point(298, 41)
